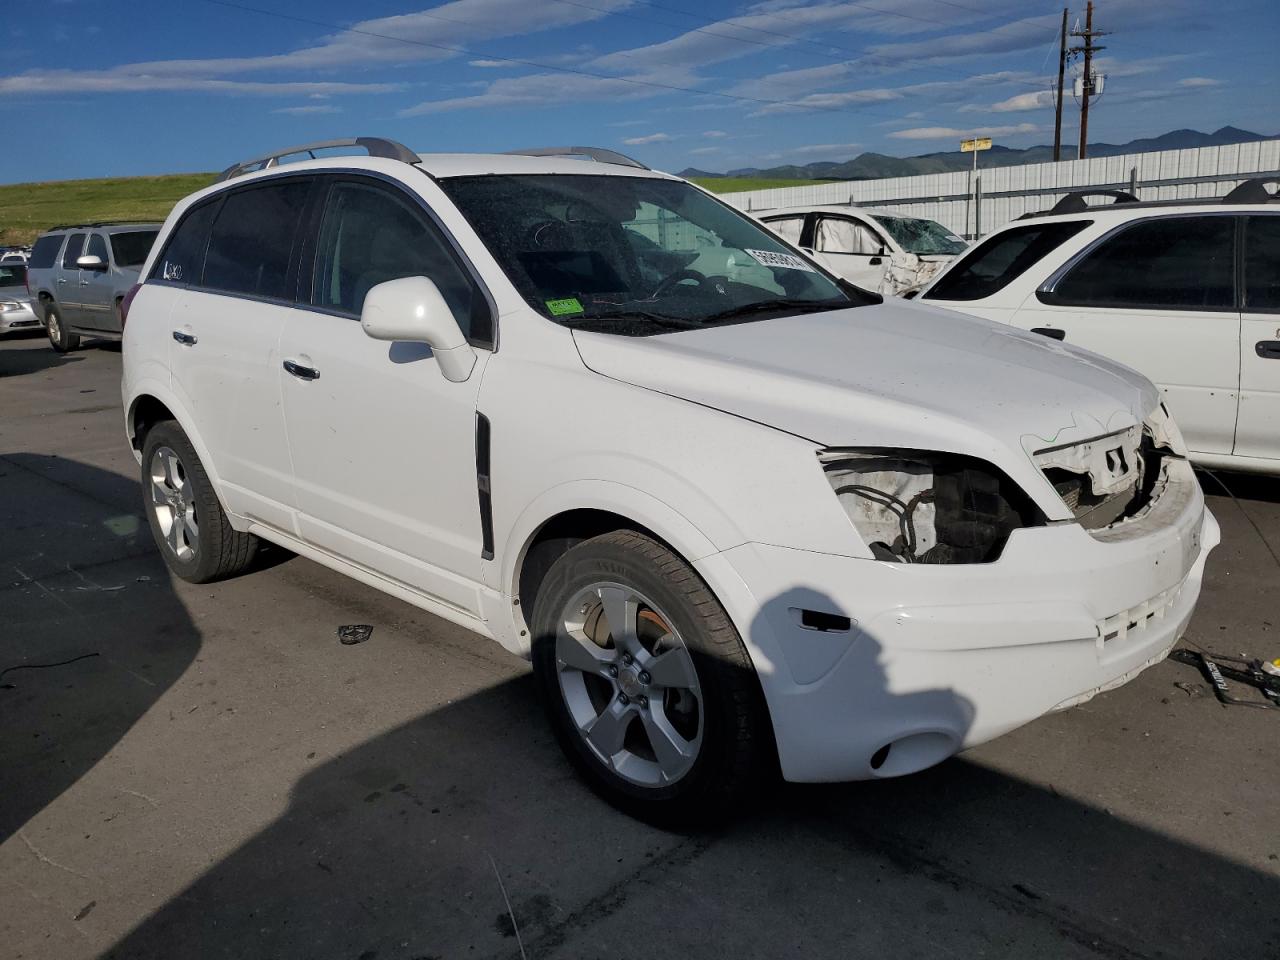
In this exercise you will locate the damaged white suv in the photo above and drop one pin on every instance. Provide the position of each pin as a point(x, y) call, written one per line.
point(732, 508)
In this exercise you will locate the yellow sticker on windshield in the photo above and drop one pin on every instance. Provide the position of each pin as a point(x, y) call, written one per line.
point(562, 308)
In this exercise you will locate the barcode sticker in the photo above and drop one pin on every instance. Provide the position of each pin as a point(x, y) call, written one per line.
point(786, 261)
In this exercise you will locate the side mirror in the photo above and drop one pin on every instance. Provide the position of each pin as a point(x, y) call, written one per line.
point(91, 262)
point(412, 310)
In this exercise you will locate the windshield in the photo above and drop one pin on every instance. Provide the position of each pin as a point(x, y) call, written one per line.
point(131, 249)
point(13, 274)
point(922, 237)
point(637, 256)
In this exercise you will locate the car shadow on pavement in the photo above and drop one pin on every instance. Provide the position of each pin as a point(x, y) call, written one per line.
point(18, 363)
point(409, 846)
point(78, 574)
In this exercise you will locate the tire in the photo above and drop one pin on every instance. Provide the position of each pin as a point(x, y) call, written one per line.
point(59, 338)
point(712, 726)
point(187, 521)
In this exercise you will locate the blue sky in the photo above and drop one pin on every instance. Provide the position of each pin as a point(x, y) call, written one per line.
point(109, 88)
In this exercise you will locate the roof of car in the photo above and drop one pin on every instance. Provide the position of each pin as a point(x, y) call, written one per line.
point(832, 208)
point(475, 164)
point(109, 226)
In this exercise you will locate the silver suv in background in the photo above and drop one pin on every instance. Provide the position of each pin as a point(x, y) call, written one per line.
point(79, 275)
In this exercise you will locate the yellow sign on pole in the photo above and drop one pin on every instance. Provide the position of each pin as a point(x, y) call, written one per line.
point(977, 143)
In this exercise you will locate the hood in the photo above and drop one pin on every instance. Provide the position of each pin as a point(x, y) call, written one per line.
point(893, 374)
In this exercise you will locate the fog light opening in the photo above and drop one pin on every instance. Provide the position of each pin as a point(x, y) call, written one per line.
point(880, 756)
point(913, 753)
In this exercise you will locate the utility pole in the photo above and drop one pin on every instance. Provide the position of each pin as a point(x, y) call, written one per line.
point(1086, 86)
point(1062, 71)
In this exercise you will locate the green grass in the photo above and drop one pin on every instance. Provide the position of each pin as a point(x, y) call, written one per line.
point(26, 209)
point(734, 184)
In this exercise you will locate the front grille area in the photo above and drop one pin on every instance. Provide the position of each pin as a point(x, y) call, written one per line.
point(1106, 479)
point(1118, 627)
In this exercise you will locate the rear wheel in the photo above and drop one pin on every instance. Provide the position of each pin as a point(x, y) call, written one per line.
point(59, 337)
point(647, 684)
point(187, 521)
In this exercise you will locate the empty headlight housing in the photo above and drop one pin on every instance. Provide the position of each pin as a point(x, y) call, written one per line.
point(917, 506)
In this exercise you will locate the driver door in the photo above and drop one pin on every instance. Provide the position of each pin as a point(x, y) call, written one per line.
point(853, 250)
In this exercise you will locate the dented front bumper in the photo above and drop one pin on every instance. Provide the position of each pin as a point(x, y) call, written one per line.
point(939, 658)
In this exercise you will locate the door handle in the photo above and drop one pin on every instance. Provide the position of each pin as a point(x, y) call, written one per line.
point(184, 338)
point(1268, 349)
point(875, 261)
point(84, 283)
point(62, 279)
point(1053, 333)
point(301, 372)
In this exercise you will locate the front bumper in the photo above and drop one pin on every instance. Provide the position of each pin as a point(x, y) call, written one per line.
point(22, 319)
point(940, 658)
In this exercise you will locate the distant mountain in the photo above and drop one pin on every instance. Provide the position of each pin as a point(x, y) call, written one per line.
point(876, 166)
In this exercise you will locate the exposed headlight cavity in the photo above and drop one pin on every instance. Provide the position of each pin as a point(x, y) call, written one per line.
point(913, 506)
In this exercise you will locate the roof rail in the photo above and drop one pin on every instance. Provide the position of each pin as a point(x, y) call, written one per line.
point(1253, 191)
point(377, 147)
point(1074, 202)
point(599, 154)
point(97, 223)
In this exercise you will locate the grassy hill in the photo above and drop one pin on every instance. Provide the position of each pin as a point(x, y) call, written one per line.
point(733, 184)
point(28, 208)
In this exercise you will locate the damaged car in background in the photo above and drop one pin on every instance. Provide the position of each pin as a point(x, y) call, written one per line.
point(878, 250)
point(741, 515)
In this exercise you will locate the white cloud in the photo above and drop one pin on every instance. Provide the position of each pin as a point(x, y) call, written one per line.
point(649, 138)
point(954, 133)
point(704, 150)
point(491, 64)
point(1199, 82)
point(714, 134)
point(1032, 100)
point(313, 109)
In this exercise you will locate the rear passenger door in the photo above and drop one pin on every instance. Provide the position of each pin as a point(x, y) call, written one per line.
point(1258, 426)
point(853, 250)
point(236, 258)
point(383, 446)
point(1159, 296)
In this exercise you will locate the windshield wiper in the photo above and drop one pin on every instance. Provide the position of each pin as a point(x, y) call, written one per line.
point(657, 319)
point(780, 306)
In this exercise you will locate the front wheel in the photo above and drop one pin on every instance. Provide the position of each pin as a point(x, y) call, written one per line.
point(647, 684)
point(187, 521)
point(60, 338)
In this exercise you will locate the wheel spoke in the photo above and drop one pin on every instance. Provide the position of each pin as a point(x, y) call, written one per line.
point(621, 610)
point(172, 470)
point(607, 731)
point(673, 752)
point(579, 654)
point(673, 669)
point(174, 534)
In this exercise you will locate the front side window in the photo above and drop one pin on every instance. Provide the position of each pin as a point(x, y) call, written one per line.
point(1000, 259)
point(130, 249)
point(637, 255)
point(370, 235)
point(183, 257)
point(45, 252)
point(70, 255)
point(1171, 263)
point(1262, 263)
point(789, 228)
point(251, 243)
point(837, 235)
point(96, 247)
point(922, 237)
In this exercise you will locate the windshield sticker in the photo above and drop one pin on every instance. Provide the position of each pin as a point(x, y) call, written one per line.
point(562, 308)
point(786, 261)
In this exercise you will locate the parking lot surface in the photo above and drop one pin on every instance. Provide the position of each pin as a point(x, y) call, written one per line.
point(215, 775)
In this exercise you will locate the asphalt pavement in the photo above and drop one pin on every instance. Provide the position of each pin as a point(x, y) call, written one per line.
point(210, 773)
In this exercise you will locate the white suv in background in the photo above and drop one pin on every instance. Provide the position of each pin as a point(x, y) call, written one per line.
point(880, 250)
point(1186, 291)
point(732, 509)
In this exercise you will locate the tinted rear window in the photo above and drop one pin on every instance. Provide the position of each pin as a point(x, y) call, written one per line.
point(1262, 263)
point(251, 243)
point(13, 274)
point(45, 252)
point(1171, 263)
point(131, 249)
point(183, 257)
point(1000, 259)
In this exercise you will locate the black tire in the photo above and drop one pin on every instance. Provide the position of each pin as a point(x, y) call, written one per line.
point(217, 550)
point(59, 338)
point(737, 742)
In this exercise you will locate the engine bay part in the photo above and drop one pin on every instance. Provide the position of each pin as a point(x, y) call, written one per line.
point(913, 506)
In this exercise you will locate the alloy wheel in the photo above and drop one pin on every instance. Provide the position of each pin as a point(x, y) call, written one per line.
point(173, 501)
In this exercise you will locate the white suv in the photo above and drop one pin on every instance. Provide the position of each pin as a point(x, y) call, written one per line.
point(735, 511)
point(1187, 292)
